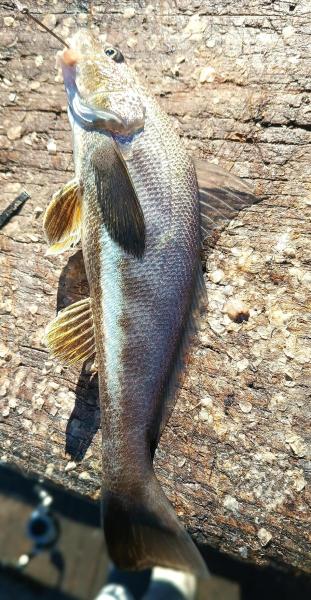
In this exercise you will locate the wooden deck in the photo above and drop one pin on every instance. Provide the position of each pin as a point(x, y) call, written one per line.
point(235, 78)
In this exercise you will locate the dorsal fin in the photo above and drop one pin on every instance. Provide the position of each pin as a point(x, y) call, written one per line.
point(222, 196)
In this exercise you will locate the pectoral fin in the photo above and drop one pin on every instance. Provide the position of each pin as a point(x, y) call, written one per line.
point(222, 195)
point(120, 207)
point(62, 220)
point(70, 337)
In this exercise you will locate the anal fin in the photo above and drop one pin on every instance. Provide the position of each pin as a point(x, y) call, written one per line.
point(62, 219)
point(70, 336)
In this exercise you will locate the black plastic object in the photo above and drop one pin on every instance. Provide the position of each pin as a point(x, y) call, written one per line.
point(13, 208)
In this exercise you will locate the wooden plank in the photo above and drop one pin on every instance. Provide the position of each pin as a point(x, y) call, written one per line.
point(235, 78)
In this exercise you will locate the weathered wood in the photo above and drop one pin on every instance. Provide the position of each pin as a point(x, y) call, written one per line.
point(236, 79)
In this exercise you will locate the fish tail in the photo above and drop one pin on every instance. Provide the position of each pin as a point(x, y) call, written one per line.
point(142, 531)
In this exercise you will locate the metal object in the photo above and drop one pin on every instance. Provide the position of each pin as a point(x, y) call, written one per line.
point(165, 584)
point(42, 527)
point(43, 530)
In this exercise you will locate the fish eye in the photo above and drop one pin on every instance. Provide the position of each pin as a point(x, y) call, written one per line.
point(115, 54)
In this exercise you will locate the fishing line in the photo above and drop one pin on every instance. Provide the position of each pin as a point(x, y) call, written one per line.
point(90, 16)
point(25, 11)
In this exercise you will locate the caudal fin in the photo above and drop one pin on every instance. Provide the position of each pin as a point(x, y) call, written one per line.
point(142, 531)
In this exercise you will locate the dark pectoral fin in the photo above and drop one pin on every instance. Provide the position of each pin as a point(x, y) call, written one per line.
point(121, 210)
point(222, 195)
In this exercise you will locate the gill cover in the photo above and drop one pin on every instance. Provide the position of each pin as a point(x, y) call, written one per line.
point(101, 89)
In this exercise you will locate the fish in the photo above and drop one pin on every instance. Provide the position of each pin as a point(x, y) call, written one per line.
point(141, 213)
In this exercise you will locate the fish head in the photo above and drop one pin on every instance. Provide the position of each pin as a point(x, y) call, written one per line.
point(101, 89)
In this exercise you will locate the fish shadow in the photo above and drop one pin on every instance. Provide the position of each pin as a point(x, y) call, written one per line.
point(72, 284)
point(84, 420)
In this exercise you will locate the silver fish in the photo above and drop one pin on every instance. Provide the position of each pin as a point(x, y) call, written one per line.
point(135, 203)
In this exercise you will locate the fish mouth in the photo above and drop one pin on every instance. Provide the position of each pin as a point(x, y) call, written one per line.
point(95, 119)
point(109, 120)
